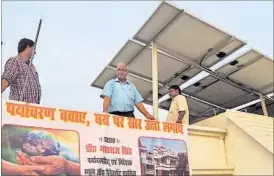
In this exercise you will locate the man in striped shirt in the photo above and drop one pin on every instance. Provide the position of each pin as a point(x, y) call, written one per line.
point(21, 76)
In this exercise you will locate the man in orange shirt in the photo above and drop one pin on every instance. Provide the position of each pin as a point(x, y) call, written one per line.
point(178, 111)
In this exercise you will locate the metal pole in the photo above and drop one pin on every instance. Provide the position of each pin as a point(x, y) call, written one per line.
point(155, 79)
point(263, 105)
point(214, 110)
point(36, 39)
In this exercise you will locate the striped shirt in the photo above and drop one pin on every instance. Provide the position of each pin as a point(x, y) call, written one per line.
point(21, 75)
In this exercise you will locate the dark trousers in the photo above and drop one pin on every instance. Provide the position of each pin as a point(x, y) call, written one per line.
point(124, 114)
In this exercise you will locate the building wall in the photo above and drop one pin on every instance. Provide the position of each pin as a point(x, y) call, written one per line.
point(207, 151)
point(246, 155)
point(243, 152)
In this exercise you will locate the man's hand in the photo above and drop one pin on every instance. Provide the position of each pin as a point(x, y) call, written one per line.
point(53, 165)
point(150, 117)
point(179, 121)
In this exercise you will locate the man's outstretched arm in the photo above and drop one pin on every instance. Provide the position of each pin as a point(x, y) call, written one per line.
point(140, 106)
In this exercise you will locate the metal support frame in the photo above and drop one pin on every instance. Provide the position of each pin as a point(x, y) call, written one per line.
point(155, 79)
point(205, 102)
point(239, 108)
point(218, 47)
point(211, 109)
point(197, 120)
point(263, 105)
point(214, 110)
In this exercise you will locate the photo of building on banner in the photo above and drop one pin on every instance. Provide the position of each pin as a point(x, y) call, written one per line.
point(39, 140)
point(163, 157)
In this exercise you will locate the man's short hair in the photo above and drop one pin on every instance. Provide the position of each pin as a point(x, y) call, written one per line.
point(23, 43)
point(176, 87)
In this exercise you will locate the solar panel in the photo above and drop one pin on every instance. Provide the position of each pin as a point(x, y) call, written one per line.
point(180, 37)
point(185, 35)
point(252, 69)
point(258, 75)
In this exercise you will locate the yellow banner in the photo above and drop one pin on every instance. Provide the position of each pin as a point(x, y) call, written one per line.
point(50, 141)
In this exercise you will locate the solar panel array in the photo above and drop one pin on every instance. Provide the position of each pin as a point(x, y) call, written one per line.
point(183, 39)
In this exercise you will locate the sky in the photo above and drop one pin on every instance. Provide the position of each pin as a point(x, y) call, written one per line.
point(78, 39)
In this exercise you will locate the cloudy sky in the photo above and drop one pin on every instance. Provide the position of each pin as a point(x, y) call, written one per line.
point(78, 39)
